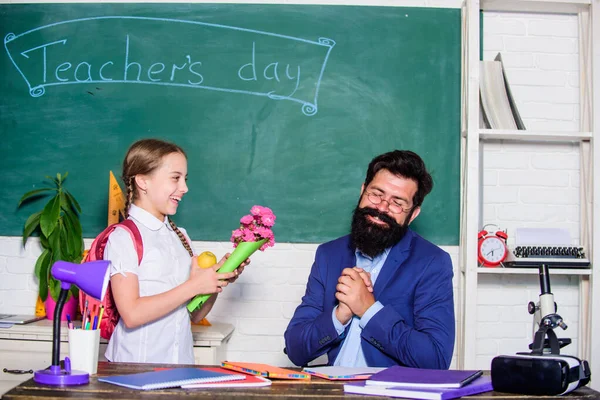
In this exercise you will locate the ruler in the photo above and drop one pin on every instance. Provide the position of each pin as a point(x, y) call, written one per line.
point(116, 200)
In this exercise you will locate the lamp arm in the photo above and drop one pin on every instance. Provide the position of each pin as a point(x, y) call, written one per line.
point(62, 298)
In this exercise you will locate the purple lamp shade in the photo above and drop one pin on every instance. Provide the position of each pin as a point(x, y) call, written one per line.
point(91, 277)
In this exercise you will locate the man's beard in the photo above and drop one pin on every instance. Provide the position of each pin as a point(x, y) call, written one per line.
point(372, 239)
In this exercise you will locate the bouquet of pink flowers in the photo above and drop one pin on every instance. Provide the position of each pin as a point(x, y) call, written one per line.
point(254, 233)
point(255, 227)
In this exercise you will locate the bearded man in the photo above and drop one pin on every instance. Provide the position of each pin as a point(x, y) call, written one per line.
point(382, 295)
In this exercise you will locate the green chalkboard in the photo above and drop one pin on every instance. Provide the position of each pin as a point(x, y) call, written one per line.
point(277, 105)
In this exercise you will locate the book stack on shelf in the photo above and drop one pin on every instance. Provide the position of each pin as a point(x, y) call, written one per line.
point(418, 383)
point(498, 109)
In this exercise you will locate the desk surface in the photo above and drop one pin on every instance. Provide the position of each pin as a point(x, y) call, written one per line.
point(317, 388)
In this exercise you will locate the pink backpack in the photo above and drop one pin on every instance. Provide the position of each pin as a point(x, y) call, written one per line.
point(110, 318)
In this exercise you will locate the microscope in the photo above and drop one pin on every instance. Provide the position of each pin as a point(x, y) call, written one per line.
point(543, 371)
point(545, 320)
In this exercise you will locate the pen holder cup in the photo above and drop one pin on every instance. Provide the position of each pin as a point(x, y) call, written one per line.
point(84, 346)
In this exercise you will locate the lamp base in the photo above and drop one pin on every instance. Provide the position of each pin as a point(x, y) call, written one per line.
point(56, 376)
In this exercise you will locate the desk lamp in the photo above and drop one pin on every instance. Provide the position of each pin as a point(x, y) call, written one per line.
point(91, 277)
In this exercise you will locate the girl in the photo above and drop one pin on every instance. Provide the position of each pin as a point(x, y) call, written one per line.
point(151, 297)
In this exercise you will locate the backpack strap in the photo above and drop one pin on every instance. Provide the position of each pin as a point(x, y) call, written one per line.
point(96, 251)
point(135, 235)
point(99, 244)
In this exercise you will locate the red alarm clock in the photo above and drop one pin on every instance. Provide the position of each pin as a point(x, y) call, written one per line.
point(491, 248)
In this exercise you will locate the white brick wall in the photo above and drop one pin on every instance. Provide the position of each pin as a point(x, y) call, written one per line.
point(524, 185)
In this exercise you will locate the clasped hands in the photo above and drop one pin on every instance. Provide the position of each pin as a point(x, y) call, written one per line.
point(354, 292)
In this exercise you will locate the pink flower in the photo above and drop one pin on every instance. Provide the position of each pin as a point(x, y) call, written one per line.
point(248, 236)
point(256, 226)
point(266, 211)
point(247, 219)
point(268, 220)
point(256, 210)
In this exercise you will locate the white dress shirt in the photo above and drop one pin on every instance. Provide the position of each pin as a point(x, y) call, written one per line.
point(351, 354)
point(165, 265)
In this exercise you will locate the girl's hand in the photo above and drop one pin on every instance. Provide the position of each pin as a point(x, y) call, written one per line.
point(208, 280)
point(238, 271)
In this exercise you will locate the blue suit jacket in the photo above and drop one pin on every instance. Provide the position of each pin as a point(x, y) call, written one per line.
point(415, 327)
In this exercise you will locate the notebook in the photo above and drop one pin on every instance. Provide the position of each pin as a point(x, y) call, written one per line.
point(422, 378)
point(169, 378)
point(18, 318)
point(250, 381)
point(265, 370)
point(479, 385)
point(343, 373)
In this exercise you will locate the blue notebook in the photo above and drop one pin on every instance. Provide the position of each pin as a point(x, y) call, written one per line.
point(168, 378)
point(479, 385)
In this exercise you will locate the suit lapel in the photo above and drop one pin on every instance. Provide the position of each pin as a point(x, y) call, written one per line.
point(398, 254)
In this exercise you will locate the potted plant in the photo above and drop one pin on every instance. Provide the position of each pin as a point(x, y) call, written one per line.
point(60, 233)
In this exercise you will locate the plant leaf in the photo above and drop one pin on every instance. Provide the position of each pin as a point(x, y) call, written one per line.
point(33, 193)
point(54, 288)
point(44, 241)
point(76, 224)
point(50, 216)
point(74, 203)
point(69, 244)
point(30, 225)
point(74, 236)
point(40, 264)
point(42, 273)
point(54, 245)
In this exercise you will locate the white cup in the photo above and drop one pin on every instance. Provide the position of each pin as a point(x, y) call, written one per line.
point(83, 349)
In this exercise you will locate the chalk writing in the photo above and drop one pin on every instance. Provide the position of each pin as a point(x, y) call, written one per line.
point(171, 52)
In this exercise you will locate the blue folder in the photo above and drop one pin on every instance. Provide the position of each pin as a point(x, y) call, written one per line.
point(168, 378)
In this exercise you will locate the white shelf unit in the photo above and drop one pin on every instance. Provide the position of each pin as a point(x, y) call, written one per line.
point(533, 271)
point(588, 12)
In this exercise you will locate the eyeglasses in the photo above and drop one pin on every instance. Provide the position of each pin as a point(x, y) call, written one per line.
point(393, 206)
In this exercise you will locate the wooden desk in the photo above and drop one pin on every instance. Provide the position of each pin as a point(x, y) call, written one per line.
point(317, 388)
point(29, 347)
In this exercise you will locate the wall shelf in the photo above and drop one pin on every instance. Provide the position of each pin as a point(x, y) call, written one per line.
point(500, 134)
point(545, 6)
point(533, 271)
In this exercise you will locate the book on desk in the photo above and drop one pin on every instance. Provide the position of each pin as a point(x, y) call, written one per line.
point(168, 378)
point(419, 383)
point(480, 385)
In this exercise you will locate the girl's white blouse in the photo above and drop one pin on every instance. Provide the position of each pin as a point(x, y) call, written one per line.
point(165, 265)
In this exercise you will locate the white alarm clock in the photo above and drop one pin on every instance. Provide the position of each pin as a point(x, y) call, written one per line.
point(491, 248)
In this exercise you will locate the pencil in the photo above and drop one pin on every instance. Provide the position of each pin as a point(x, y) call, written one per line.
point(100, 317)
point(83, 317)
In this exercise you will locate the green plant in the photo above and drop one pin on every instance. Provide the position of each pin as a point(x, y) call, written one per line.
point(59, 230)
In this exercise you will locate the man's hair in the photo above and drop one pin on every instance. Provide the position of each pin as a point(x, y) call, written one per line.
point(406, 164)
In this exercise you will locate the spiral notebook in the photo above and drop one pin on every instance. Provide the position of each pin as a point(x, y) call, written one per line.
point(168, 378)
point(250, 381)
